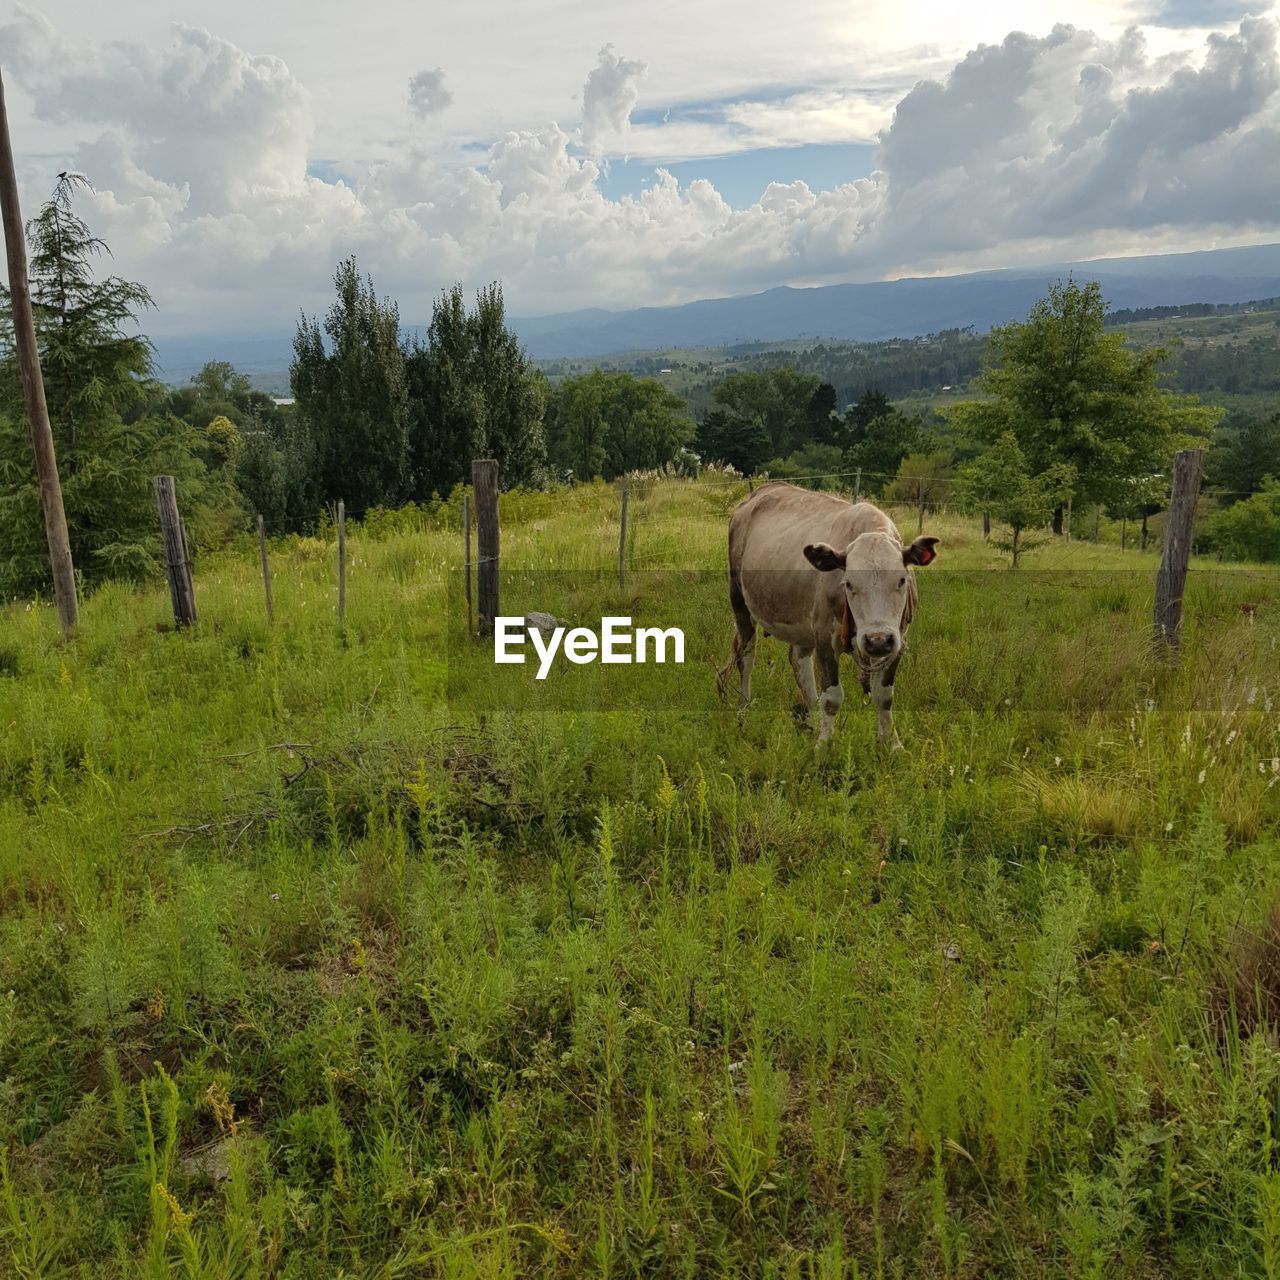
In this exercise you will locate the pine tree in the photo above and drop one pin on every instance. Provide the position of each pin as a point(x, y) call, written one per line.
point(110, 427)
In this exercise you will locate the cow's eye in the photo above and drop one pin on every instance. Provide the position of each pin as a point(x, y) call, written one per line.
point(902, 582)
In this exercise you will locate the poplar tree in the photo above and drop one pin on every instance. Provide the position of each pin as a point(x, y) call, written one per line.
point(351, 399)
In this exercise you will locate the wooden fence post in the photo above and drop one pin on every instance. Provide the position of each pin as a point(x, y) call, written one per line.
point(857, 487)
point(466, 554)
point(622, 539)
point(1067, 527)
point(177, 564)
point(919, 507)
point(1172, 574)
point(986, 518)
point(24, 341)
point(342, 561)
point(1124, 533)
point(484, 481)
point(266, 570)
point(1144, 530)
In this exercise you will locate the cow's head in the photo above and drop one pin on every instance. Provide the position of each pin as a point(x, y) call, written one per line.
point(874, 570)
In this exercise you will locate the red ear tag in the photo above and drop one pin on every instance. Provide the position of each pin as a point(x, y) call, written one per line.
point(926, 554)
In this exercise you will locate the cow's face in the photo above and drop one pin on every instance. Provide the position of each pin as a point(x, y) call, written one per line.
point(874, 569)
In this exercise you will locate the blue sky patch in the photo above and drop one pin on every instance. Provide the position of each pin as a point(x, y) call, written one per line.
point(1202, 13)
point(742, 178)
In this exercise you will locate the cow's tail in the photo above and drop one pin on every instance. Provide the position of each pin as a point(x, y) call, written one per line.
point(735, 648)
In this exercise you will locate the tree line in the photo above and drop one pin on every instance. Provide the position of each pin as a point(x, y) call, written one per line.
point(1061, 411)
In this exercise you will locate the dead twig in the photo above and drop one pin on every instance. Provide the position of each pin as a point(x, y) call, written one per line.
point(240, 823)
point(364, 706)
point(274, 746)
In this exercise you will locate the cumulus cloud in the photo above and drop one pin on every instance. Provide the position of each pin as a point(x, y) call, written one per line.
point(199, 114)
point(428, 94)
point(1066, 135)
point(608, 99)
point(1063, 145)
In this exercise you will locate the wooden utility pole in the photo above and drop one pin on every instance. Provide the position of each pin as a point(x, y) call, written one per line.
point(342, 561)
point(266, 570)
point(176, 562)
point(622, 539)
point(466, 554)
point(24, 335)
point(1172, 575)
point(484, 481)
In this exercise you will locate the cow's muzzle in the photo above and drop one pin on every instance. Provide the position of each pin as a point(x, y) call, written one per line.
point(877, 644)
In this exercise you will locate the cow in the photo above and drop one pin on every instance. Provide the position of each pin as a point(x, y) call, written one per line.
point(825, 576)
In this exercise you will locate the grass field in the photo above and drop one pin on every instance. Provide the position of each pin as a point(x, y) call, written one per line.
point(329, 955)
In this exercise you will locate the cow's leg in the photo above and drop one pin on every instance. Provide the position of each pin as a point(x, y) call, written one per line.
point(827, 663)
point(802, 669)
point(882, 695)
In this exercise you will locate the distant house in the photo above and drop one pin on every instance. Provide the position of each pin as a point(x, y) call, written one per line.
point(664, 370)
point(281, 400)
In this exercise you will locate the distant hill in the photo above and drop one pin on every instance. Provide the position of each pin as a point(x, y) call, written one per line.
point(904, 308)
point(850, 312)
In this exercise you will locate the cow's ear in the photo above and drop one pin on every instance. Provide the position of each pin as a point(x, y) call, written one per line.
point(921, 551)
point(824, 557)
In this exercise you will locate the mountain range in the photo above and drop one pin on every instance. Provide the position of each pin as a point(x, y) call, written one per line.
point(847, 312)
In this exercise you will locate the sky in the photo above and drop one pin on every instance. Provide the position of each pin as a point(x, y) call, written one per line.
point(619, 155)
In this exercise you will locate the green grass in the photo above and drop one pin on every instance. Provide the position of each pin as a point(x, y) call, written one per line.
point(308, 968)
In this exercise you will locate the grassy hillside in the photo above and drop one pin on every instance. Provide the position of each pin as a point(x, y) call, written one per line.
point(1231, 359)
point(335, 955)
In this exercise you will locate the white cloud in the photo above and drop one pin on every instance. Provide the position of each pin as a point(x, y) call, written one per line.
point(608, 99)
point(1068, 136)
point(428, 93)
point(1068, 144)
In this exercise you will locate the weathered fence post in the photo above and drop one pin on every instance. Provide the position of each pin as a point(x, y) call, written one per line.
point(1172, 574)
point(857, 486)
point(750, 486)
point(1124, 533)
point(919, 506)
point(466, 554)
point(986, 518)
point(484, 480)
point(1067, 523)
point(266, 569)
point(622, 538)
point(24, 341)
point(1144, 530)
point(342, 561)
point(177, 565)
